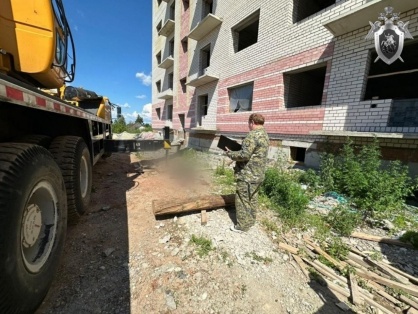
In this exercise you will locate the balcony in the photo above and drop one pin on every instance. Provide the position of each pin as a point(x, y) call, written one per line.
point(167, 28)
point(166, 94)
point(205, 26)
point(167, 62)
point(359, 17)
point(203, 79)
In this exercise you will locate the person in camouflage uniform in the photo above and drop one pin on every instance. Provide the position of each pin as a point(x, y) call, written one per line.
point(249, 172)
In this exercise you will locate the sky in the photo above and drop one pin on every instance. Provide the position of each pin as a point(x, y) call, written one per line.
point(113, 49)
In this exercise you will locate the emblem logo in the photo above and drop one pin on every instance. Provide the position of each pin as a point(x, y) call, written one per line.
point(388, 37)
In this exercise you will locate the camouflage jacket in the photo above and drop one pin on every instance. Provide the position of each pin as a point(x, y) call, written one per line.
point(252, 158)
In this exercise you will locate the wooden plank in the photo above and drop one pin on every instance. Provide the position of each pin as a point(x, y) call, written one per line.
point(355, 294)
point(375, 304)
point(301, 265)
point(174, 206)
point(411, 310)
point(325, 272)
point(411, 278)
point(413, 290)
point(288, 248)
point(318, 250)
point(204, 217)
point(337, 288)
point(373, 238)
point(381, 291)
point(408, 301)
point(358, 259)
point(383, 268)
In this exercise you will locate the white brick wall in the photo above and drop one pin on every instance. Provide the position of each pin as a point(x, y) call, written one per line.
point(278, 38)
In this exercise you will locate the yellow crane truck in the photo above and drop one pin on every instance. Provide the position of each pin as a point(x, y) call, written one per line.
point(50, 137)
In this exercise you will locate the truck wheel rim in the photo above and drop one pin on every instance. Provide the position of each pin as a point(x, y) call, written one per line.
point(39, 225)
point(84, 177)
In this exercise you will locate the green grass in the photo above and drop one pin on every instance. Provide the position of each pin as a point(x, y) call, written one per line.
point(204, 246)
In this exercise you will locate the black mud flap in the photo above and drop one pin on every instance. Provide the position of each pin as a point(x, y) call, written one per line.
point(133, 145)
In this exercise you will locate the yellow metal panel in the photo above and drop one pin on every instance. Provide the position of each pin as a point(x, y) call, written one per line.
point(27, 32)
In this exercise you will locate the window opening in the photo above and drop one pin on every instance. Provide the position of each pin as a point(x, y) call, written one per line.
point(207, 7)
point(298, 153)
point(203, 102)
point(170, 80)
point(158, 111)
point(182, 121)
point(158, 56)
point(241, 98)
point(184, 44)
point(159, 2)
point(159, 25)
point(183, 85)
point(245, 34)
point(302, 8)
point(204, 59)
point(171, 48)
point(158, 86)
point(169, 112)
point(393, 81)
point(173, 11)
point(305, 88)
point(185, 4)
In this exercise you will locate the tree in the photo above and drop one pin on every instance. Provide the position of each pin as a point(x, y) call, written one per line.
point(119, 125)
point(139, 120)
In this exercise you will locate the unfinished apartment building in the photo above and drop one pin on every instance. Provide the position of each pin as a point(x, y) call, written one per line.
point(305, 65)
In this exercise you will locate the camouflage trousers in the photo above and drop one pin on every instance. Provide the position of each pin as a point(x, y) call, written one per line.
point(246, 203)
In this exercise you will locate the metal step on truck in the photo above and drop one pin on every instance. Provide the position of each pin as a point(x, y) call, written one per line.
point(51, 135)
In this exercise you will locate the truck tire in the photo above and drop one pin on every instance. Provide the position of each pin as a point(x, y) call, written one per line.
point(41, 140)
point(33, 224)
point(73, 157)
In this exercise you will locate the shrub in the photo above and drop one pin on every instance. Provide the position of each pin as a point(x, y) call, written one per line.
point(343, 219)
point(360, 174)
point(410, 237)
point(288, 198)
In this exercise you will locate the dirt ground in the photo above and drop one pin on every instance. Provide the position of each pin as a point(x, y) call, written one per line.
point(121, 259)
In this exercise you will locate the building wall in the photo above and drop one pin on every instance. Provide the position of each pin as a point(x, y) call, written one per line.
point(283, 48)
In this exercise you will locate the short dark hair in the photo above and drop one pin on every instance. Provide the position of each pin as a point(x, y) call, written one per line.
point(257, 118)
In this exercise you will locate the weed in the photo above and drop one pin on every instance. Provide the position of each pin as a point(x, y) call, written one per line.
point(243, 289)
point(204, 245)
point(343, 219)
point(326, 262)
point(225, 179)
point(338, 249)
point(322, 229)
point(258, 258)
point(410, 237)
point(286, 195)
point(349, 270)
point(312, 180)
point(396, 292)
point(359, 174)
point(363, 284)
point(376, 256)
point(270, 226)
point(226, 258)
point(220, 169)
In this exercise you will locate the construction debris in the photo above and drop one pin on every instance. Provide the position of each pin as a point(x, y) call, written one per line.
point(359, 279)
